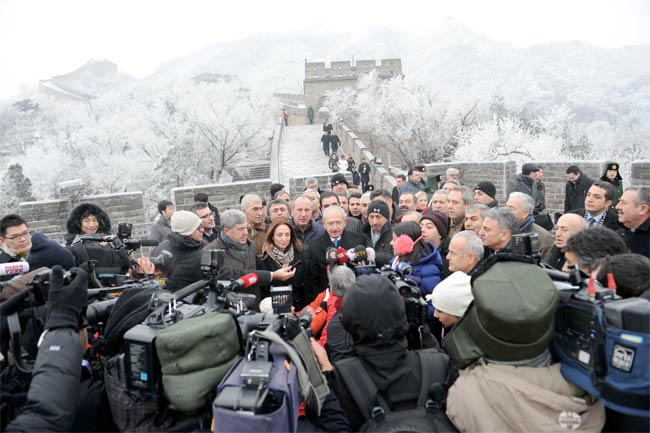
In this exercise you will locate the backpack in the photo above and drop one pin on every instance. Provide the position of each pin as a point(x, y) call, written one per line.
point(427, 416)
point(195, 354)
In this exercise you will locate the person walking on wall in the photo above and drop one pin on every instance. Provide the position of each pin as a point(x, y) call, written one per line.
point(285, 115)
point(310, 115)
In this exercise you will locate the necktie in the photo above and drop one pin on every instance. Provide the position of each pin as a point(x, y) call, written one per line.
point(591, 222)
point(336, 242)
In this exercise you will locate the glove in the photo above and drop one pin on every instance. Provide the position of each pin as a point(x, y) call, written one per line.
point(66, 301)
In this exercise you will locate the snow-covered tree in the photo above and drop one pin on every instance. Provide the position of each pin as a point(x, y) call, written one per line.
point(14, 188)
point(413, 121)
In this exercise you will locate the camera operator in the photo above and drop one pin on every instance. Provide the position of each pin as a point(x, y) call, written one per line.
point(185, 242)
point(54, 392)
point(373, 313)
point(501, 346)
point(631, 274)
point(90, 219)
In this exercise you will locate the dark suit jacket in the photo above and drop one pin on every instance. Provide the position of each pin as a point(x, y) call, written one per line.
point(610, 221)
point(315, 263)
point(383, 248)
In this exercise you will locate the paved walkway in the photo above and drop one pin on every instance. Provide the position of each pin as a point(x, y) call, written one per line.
point(301, 152)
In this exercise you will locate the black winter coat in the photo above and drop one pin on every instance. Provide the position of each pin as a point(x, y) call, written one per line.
point(300, 295)
point(185, 268)
point(54, 391)
point(315, 263)
point(574, 194)
point(394, 369)
point(383, 248)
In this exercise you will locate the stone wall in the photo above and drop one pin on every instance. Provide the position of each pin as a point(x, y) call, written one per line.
point(640, 173)
point(223, 196)
point(297, 184)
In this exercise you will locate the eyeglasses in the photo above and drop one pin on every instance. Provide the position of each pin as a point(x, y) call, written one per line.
point(208, 215)
point(26, 235)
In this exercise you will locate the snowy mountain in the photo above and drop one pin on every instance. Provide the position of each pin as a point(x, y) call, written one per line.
point(448, 54)
point(90, 81)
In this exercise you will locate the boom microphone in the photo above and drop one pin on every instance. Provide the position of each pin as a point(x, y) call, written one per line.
point(244, 282)
point(13, 268)
point(137, 243)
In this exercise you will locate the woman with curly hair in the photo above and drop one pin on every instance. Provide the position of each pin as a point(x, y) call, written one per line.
point(91, 220)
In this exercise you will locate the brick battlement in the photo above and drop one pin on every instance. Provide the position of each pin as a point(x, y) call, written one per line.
point(347, 70)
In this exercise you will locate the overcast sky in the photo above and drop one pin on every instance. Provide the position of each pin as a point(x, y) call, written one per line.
point(42, 38)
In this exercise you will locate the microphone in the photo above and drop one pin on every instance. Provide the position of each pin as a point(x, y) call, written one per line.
point(370, 252)
point(360, 255)
point(330, 257)
point(133, 244)
point(14, 268)
point(341, 256)
point(404, 268)
point(244, 282)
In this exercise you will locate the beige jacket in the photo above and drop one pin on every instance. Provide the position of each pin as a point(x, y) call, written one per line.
point(503, 398)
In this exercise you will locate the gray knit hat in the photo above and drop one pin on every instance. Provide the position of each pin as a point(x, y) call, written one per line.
point(185, 223)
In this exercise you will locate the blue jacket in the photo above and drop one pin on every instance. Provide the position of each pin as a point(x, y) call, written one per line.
point(427, 274)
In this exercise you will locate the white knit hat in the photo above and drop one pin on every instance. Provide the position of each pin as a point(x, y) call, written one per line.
point(453, 294)
point(185, 223)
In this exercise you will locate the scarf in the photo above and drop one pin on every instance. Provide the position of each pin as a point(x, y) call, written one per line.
point(527, 225)
point(242, 249)
point(283, 257)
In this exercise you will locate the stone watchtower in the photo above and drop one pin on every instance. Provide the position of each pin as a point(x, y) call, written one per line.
point(319, 79)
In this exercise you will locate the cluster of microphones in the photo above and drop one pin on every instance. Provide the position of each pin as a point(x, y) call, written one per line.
point(357, 256)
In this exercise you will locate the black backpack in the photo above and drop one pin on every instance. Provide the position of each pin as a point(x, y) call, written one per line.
point(427, 416)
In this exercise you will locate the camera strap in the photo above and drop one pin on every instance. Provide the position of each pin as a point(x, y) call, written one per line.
point(13, 322)
point(313, 385)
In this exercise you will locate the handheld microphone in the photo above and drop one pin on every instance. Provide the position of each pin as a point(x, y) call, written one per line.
point(341, 256)
point(360, 255)
point(404, 268)
point(244, 282)
point(330, 257)
point(13, 268)
point(370, 252)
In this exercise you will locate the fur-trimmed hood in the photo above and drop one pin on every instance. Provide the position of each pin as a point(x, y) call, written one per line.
point(73, 224)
